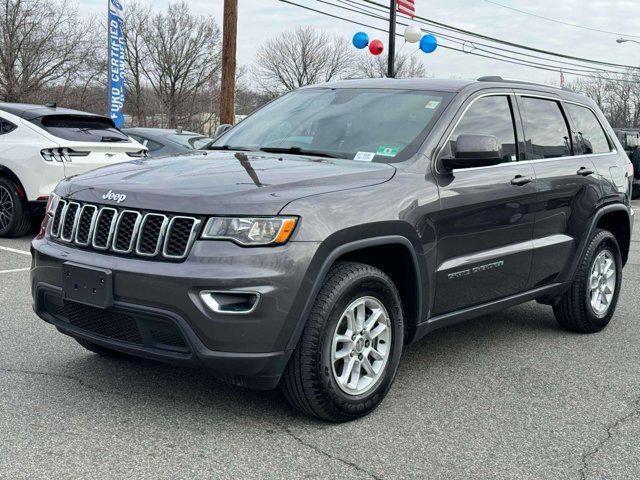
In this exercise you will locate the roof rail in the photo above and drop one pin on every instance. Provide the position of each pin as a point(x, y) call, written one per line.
point(495, 78)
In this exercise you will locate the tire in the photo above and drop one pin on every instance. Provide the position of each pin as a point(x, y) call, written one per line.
point(14, 219)
point(575, 311)
point(311, 380)
point(100, 350)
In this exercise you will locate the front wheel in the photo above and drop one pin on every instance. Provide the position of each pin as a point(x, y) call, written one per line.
point(587, 307)
point(348, 355)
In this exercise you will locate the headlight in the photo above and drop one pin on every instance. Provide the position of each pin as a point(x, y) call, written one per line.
point(250, 231)
point(52, 204)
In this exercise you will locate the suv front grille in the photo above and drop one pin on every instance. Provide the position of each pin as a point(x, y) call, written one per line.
point(124, 232)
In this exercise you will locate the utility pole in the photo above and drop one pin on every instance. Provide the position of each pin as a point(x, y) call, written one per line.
point(391, 72)
point(229, 39)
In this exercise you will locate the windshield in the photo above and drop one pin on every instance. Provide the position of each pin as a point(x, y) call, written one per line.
point(359, 124)
point(193, 141)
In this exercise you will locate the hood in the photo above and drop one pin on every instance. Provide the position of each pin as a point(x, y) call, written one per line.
point(221, 183)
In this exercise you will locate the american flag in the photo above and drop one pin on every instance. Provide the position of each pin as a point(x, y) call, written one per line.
point(408, 7)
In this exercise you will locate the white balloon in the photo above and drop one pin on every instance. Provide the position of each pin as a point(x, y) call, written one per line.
point(412, 34)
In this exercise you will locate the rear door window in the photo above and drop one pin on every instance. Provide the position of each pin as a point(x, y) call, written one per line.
point(590, 137)
point(78, 128)
point(545, 129)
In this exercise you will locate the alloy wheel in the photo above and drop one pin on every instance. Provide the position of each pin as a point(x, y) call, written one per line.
point(602, 282)
point(6, 208)
point(361, 346)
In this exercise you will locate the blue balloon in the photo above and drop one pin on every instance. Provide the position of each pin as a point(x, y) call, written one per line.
point(360, 40)
point(428, 43)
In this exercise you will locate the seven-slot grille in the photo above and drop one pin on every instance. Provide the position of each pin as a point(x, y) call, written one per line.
point(125, 232)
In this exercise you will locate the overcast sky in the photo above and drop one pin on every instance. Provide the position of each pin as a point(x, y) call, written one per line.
point(262, 19)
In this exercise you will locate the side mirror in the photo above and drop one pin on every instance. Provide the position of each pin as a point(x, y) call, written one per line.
point(224, 128)
point(475, 151)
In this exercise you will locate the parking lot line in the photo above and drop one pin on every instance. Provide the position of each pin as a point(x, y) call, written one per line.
point(15, 250)
point(15, 270)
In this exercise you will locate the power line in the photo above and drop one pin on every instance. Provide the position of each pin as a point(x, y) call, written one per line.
point(512, 44)
point(554, 20)
point(567, 66)
point(447, 47)
point(563, 66)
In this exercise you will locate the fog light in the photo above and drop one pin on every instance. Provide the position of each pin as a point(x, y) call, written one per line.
point(230, 302)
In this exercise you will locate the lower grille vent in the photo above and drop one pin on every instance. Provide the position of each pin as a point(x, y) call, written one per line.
point(104, 323)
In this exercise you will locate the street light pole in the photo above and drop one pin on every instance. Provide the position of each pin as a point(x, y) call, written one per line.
point(391, 71)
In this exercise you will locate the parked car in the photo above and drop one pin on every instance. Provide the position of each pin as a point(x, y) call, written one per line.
point(630, 140)
point(163, 142)
point(39, 146)
point(337, 225)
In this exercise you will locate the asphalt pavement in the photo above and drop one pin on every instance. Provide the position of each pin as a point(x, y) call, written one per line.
point(504, 396)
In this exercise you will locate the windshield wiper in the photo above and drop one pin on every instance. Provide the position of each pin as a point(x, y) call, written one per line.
point(300, 151)
point(229, 147)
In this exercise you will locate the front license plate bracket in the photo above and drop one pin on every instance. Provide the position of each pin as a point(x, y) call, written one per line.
point(87, 285)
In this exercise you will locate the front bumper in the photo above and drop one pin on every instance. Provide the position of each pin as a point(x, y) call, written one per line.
point(158, 312)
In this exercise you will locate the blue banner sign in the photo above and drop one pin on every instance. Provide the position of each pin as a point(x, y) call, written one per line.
point(117, 55)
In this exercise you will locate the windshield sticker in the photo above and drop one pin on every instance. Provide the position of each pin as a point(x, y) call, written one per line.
point(387, 151)
point(432, 105)
point(364, 156)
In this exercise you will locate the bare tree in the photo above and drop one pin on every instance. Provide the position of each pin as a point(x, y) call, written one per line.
point(407, 66)
point(617, 95)
point(302, 57)
point(41, 43)
point(183, 60)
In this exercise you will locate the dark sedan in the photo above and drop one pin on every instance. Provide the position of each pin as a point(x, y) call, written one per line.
point(163, 142)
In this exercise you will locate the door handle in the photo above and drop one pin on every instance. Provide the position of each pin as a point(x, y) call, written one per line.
point(585, 172)
point(519, 180)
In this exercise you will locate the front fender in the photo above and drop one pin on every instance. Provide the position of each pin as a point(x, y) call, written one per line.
point(345, 242)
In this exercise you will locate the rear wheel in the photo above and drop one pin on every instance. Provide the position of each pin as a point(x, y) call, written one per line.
point(14, 220)
point(587, 307)
point(348, 355)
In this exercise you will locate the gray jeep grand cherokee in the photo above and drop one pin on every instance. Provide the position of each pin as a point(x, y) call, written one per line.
point(338, 224)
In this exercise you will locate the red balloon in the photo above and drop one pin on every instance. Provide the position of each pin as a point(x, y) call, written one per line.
point(376, 47)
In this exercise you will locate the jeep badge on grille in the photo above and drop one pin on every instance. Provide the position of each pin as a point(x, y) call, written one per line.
point(116, 197)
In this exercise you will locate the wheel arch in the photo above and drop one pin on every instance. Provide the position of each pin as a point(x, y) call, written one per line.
point(615, 218)
point(618, 222)
point(395, 255)
point(8, 173)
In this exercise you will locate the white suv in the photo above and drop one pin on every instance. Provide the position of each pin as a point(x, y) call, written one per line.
point(41, 145)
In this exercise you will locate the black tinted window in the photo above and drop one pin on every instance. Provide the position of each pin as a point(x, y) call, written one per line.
point(82, 129)
point(545, 129)
point(590, 136)
point(487, 116)
point(150, 144)
point(6, 126)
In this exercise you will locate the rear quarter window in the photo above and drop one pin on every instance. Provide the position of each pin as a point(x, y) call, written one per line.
point(590, 137)
point(81, 129)
point(6, 126)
